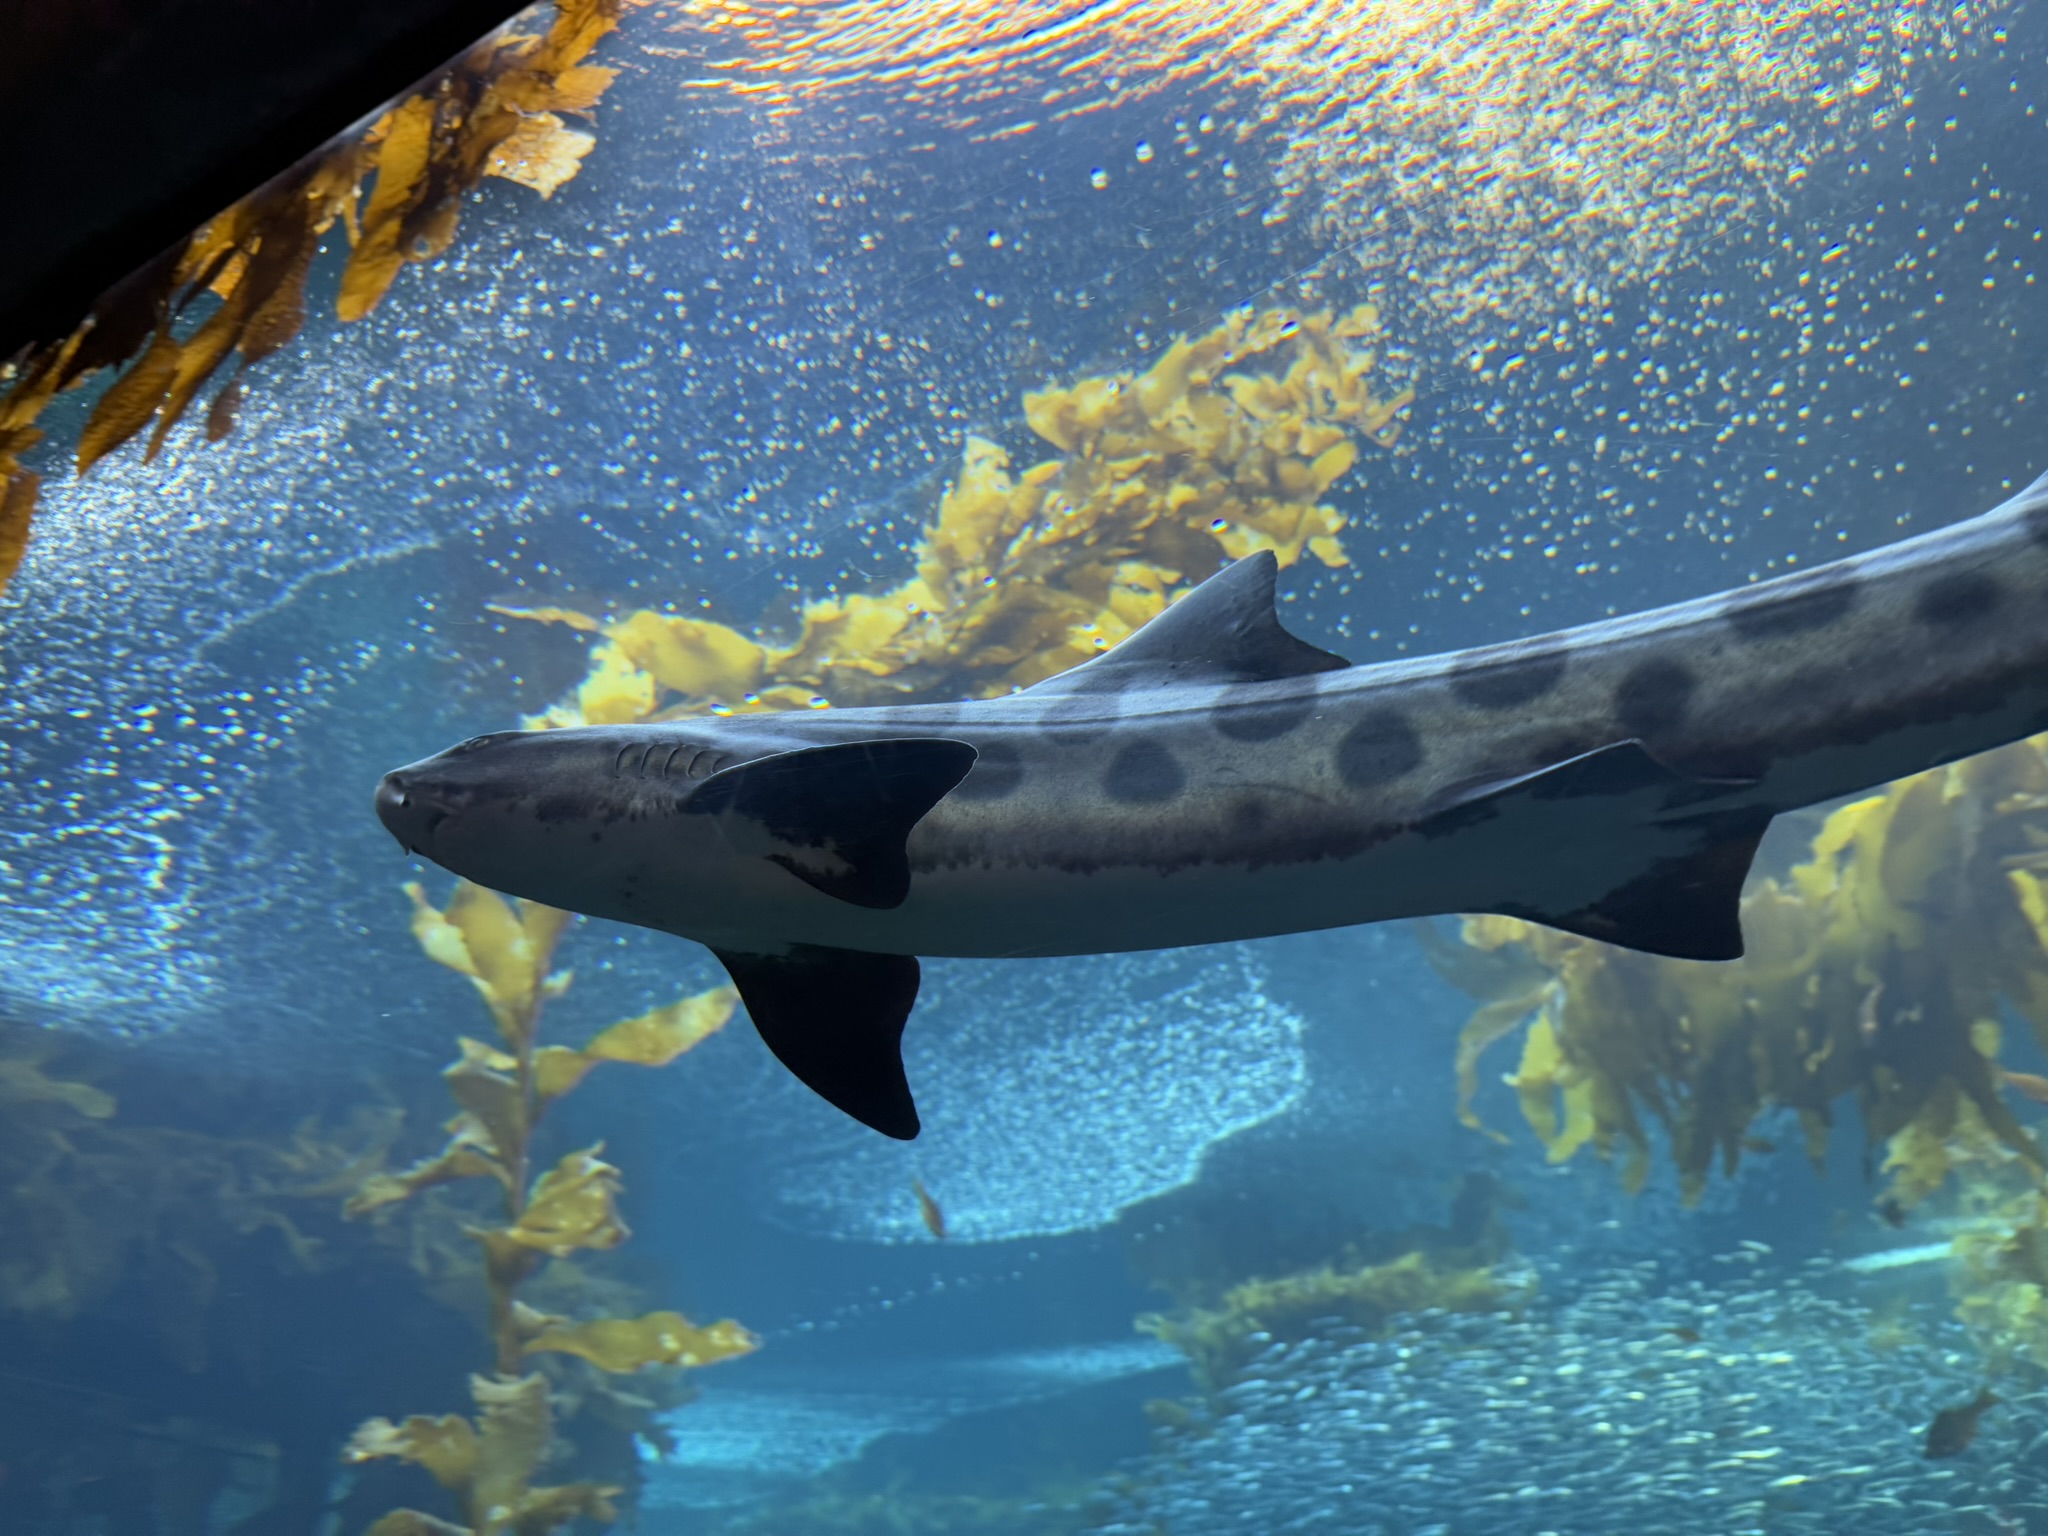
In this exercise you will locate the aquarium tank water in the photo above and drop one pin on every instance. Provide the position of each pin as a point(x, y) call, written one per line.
point(659, 361)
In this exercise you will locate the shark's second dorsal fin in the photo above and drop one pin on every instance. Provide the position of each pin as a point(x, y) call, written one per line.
point(1224, 631)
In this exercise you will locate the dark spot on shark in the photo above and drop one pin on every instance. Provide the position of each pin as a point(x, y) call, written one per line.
point(1255, 714)
point(1381, 748)
point(1796, 609)
point(1964, 597)
point(1654, 697)
point(1508, 683)
point(2036, 518)
point(997, 773)
point(1143, 773)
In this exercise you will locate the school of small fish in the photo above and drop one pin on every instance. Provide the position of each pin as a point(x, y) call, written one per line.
point(1601, 1411)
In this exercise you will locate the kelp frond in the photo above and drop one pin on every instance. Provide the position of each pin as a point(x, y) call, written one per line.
point(1876, 969)
point(488, 1465)
point(1226, 445)
point(503, 1092)
point(236, 288)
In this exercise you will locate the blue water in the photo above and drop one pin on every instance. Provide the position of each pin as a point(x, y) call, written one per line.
point(731, 365)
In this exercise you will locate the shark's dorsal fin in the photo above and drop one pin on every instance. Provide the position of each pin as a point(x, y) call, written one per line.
point(1224, 631)
point(837, 817)
point(834, 1017)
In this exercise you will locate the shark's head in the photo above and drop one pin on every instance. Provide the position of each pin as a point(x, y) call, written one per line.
point(695, 829)
point(564, 817)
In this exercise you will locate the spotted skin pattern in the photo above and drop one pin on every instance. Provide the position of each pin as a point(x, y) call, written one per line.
point(1225, 786)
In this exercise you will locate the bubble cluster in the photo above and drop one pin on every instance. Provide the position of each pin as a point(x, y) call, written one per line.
point(1542, 159)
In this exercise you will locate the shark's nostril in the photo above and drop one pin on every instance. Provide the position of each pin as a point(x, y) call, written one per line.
point(394, 803)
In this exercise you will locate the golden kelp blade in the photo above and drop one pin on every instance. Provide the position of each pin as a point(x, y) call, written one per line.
point(23, 1081)
point(18, 493)
point(461, 1161)
point(445, 1447)
point(542, 153)
point(620, 1344)
point(481, 1082)
point(1495, 1021)
point(131, 402)
point(504, 948)
point(653, 1039)
point(490, 1465)
point(572, 1206)
point(492, 112)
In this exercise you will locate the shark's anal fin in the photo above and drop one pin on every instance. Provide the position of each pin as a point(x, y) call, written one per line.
point(1687, 907)
point(835, 1017)
point(838, 817)
point(1681, 850)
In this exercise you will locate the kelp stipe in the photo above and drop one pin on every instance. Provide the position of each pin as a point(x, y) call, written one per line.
point(506, 950)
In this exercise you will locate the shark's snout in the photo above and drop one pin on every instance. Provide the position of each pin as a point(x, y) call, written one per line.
point(405, 816)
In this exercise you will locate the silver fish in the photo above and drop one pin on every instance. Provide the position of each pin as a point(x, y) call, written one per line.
point(1216, 778)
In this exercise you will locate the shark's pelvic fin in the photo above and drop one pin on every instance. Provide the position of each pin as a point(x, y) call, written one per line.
point(835, 1017)
point(1224, 631)
point(838, 817)
point(1685, 903)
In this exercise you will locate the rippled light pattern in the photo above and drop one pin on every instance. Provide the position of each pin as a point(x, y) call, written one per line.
point(1559, 150)
point(1504, 157)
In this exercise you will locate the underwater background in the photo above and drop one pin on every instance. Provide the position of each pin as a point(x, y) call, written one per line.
point(766, 335)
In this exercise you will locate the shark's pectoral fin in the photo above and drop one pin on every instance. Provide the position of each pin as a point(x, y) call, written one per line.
point(835, 1017)
point(838, 817)
point(1667, 853)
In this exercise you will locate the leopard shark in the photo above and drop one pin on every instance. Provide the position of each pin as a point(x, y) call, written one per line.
point(1214, 777)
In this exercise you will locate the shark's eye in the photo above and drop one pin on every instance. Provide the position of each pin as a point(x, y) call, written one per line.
point(476, 742)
